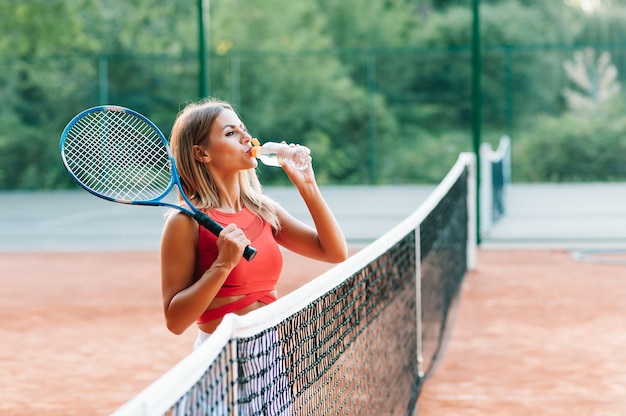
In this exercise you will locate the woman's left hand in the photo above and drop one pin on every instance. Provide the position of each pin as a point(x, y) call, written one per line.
point(299, 177)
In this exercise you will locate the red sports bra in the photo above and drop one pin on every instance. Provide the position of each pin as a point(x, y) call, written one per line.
point(254, 279)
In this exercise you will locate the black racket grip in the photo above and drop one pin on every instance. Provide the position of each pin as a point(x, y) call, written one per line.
point(208, 223)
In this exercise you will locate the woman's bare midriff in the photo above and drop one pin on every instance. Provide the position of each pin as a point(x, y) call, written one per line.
point(210, 326)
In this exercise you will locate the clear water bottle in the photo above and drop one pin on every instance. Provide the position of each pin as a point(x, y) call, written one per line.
point(276, 154)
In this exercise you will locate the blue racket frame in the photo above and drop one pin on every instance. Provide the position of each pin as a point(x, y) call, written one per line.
point(202, 219)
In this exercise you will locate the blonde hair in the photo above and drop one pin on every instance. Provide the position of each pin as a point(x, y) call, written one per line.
point(192, 127)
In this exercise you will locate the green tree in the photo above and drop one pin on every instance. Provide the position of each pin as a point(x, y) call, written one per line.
point(304, 97)
point(444, 70)
point(35, 89)
point(383, 87)
point(569, 148)
point(351, 24)
point(586, 142)
point(594, 82)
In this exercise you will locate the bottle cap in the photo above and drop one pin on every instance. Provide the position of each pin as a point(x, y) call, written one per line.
point(256, 149)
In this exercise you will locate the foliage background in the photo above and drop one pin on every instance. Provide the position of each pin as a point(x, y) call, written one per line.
point(380, 93)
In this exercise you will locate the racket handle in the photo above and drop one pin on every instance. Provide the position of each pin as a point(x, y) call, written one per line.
point(214, 227)
point(249, 253)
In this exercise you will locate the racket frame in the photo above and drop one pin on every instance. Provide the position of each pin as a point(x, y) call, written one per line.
point(202, 219)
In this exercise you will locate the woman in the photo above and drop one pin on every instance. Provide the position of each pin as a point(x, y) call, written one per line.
point(205, 277)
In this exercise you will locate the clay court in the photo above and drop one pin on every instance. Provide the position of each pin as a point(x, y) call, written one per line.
point(538, 332)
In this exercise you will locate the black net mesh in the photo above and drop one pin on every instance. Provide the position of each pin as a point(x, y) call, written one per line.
point(351, 351)
point(443, 248)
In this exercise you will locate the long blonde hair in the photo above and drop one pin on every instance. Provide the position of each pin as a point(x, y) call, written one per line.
point(192, 126)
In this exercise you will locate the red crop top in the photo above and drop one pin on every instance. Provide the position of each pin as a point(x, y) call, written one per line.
point(255, 279)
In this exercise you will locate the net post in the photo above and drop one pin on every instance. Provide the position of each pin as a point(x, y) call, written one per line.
point(472, 226)
point(492, 189)
point(418, 307)
point(486, 189)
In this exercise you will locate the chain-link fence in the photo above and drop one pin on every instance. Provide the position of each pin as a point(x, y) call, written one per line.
point(384, 115)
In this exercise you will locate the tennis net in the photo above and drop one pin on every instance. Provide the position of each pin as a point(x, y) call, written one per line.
point(359, 339)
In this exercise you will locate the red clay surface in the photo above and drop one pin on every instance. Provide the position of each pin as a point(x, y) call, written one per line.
point(82, 333)
point(537, 334)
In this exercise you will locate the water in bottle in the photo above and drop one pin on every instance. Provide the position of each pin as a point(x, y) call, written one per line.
point(276, 154)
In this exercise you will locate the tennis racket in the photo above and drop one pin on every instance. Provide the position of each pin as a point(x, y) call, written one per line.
point(119, 155)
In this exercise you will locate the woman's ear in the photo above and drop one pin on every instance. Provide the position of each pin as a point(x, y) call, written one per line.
point(200, 154)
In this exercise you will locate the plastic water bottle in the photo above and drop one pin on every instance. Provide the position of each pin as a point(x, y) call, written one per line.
point(276, 154)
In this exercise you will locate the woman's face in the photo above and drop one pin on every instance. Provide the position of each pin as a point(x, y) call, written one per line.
point(228, 146)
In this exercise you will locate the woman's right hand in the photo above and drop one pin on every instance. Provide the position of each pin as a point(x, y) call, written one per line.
point(230, 245)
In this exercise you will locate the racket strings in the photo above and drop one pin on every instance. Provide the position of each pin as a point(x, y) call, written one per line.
point(118, 155)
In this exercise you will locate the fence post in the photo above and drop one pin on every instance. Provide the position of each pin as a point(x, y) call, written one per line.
point(476, 101)
point(203, 19)
point(103, 80)
point(371, 117)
